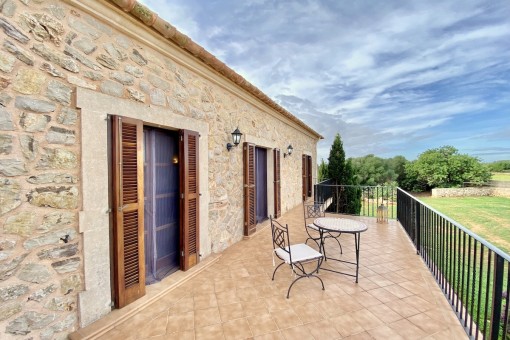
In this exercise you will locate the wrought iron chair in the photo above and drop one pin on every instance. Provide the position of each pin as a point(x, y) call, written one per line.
point(295, 255)
point(312, 211)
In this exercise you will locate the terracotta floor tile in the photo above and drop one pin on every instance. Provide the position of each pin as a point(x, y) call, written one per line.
point(255, 307)
point(224, 285)
point(247, 294)
point(381, 281)
point(204, 301)
point(232, 311)
point(237, 329)
point(185, 335)
point(384, 332)
point(398, 291)
point(180, 322)
point(385, 313)
point(115, 334)
point(402, 308)
point(323, 330)
point(346, 325)
point(367, 284)
point(203, 288)
point(329, 308)
point(184, 305)
point(419, 303)
point(227, 297)
point(308, 313)
point(426, 323)
point(407, 329)
point(298, 332)
point(450, 334)
point(262, 324)
point(275, 303)
point(359, 336)
point(366, 319)
point(286, 318)
point(347, 303)
point(270, 336)
point(366, 299)
point(213, 332)
point(206, 317)
point(266, 290)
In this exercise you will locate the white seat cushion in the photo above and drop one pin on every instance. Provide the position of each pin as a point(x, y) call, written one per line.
point(300, 253)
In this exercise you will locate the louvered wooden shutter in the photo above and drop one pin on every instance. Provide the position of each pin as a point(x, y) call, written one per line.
point(309, 168)
point(304, 177)
point(277, 184)
point(250, 199)
point(190, 197)
point(129, 273)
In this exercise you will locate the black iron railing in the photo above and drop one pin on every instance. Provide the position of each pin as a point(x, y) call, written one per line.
point(473, 274)
point(356, 199)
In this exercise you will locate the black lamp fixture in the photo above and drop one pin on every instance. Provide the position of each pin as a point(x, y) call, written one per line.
point(236, 138)
point(289, 151)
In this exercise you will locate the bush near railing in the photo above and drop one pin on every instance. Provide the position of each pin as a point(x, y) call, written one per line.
point(473, 274)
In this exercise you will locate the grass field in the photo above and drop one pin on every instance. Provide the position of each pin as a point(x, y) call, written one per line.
point(488, 217)
point(501, 176)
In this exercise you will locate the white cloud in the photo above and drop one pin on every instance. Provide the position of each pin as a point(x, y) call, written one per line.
point(402, 73)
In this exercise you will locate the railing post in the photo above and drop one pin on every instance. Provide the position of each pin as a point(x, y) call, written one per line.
point(417, 226)
point(497, 296)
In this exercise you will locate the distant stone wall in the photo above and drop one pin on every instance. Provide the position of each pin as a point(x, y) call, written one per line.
point(470, 192)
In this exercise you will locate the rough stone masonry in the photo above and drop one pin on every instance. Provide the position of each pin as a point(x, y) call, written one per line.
point(47, 50)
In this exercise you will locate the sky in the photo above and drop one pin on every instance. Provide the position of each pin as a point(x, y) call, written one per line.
point(391, 77)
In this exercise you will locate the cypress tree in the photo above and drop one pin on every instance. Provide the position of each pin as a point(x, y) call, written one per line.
point(346, 200)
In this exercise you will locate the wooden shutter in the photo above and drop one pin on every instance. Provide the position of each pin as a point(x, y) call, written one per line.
point(129, 266)
point(277, 184)
point(309, 168)
point(190, 194)
point(250, 199)
point(304, 176)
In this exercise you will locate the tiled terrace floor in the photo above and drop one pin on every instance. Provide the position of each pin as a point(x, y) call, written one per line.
point(396, 297)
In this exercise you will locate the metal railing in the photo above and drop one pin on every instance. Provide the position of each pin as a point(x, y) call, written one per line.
point(473, 274)
point(356, 199)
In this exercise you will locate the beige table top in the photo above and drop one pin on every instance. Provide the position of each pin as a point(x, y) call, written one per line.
point(343, 225)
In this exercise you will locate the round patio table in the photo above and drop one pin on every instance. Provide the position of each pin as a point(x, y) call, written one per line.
point(340, 225)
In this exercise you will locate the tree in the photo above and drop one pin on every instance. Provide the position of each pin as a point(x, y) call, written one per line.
point(445, 167)
point(372, 170)
point(322, 172)
point(346, 199)
point(499, 166)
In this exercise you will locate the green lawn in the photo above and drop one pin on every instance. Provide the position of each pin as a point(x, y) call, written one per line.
point(501, 176)
point(488, 217)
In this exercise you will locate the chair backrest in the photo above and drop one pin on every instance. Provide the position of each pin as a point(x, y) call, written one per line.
point(313, 211)
point(280, 236)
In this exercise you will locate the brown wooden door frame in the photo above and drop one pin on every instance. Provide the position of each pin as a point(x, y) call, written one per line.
point(189, 223)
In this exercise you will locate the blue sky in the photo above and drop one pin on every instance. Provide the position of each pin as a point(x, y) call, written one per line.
point(392, 77)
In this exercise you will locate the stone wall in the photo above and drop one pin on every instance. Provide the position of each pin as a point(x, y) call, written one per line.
point(471, 192)
point(49, 48)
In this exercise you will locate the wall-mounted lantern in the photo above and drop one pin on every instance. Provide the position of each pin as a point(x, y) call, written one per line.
point(289, 151)
point(236, 139)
